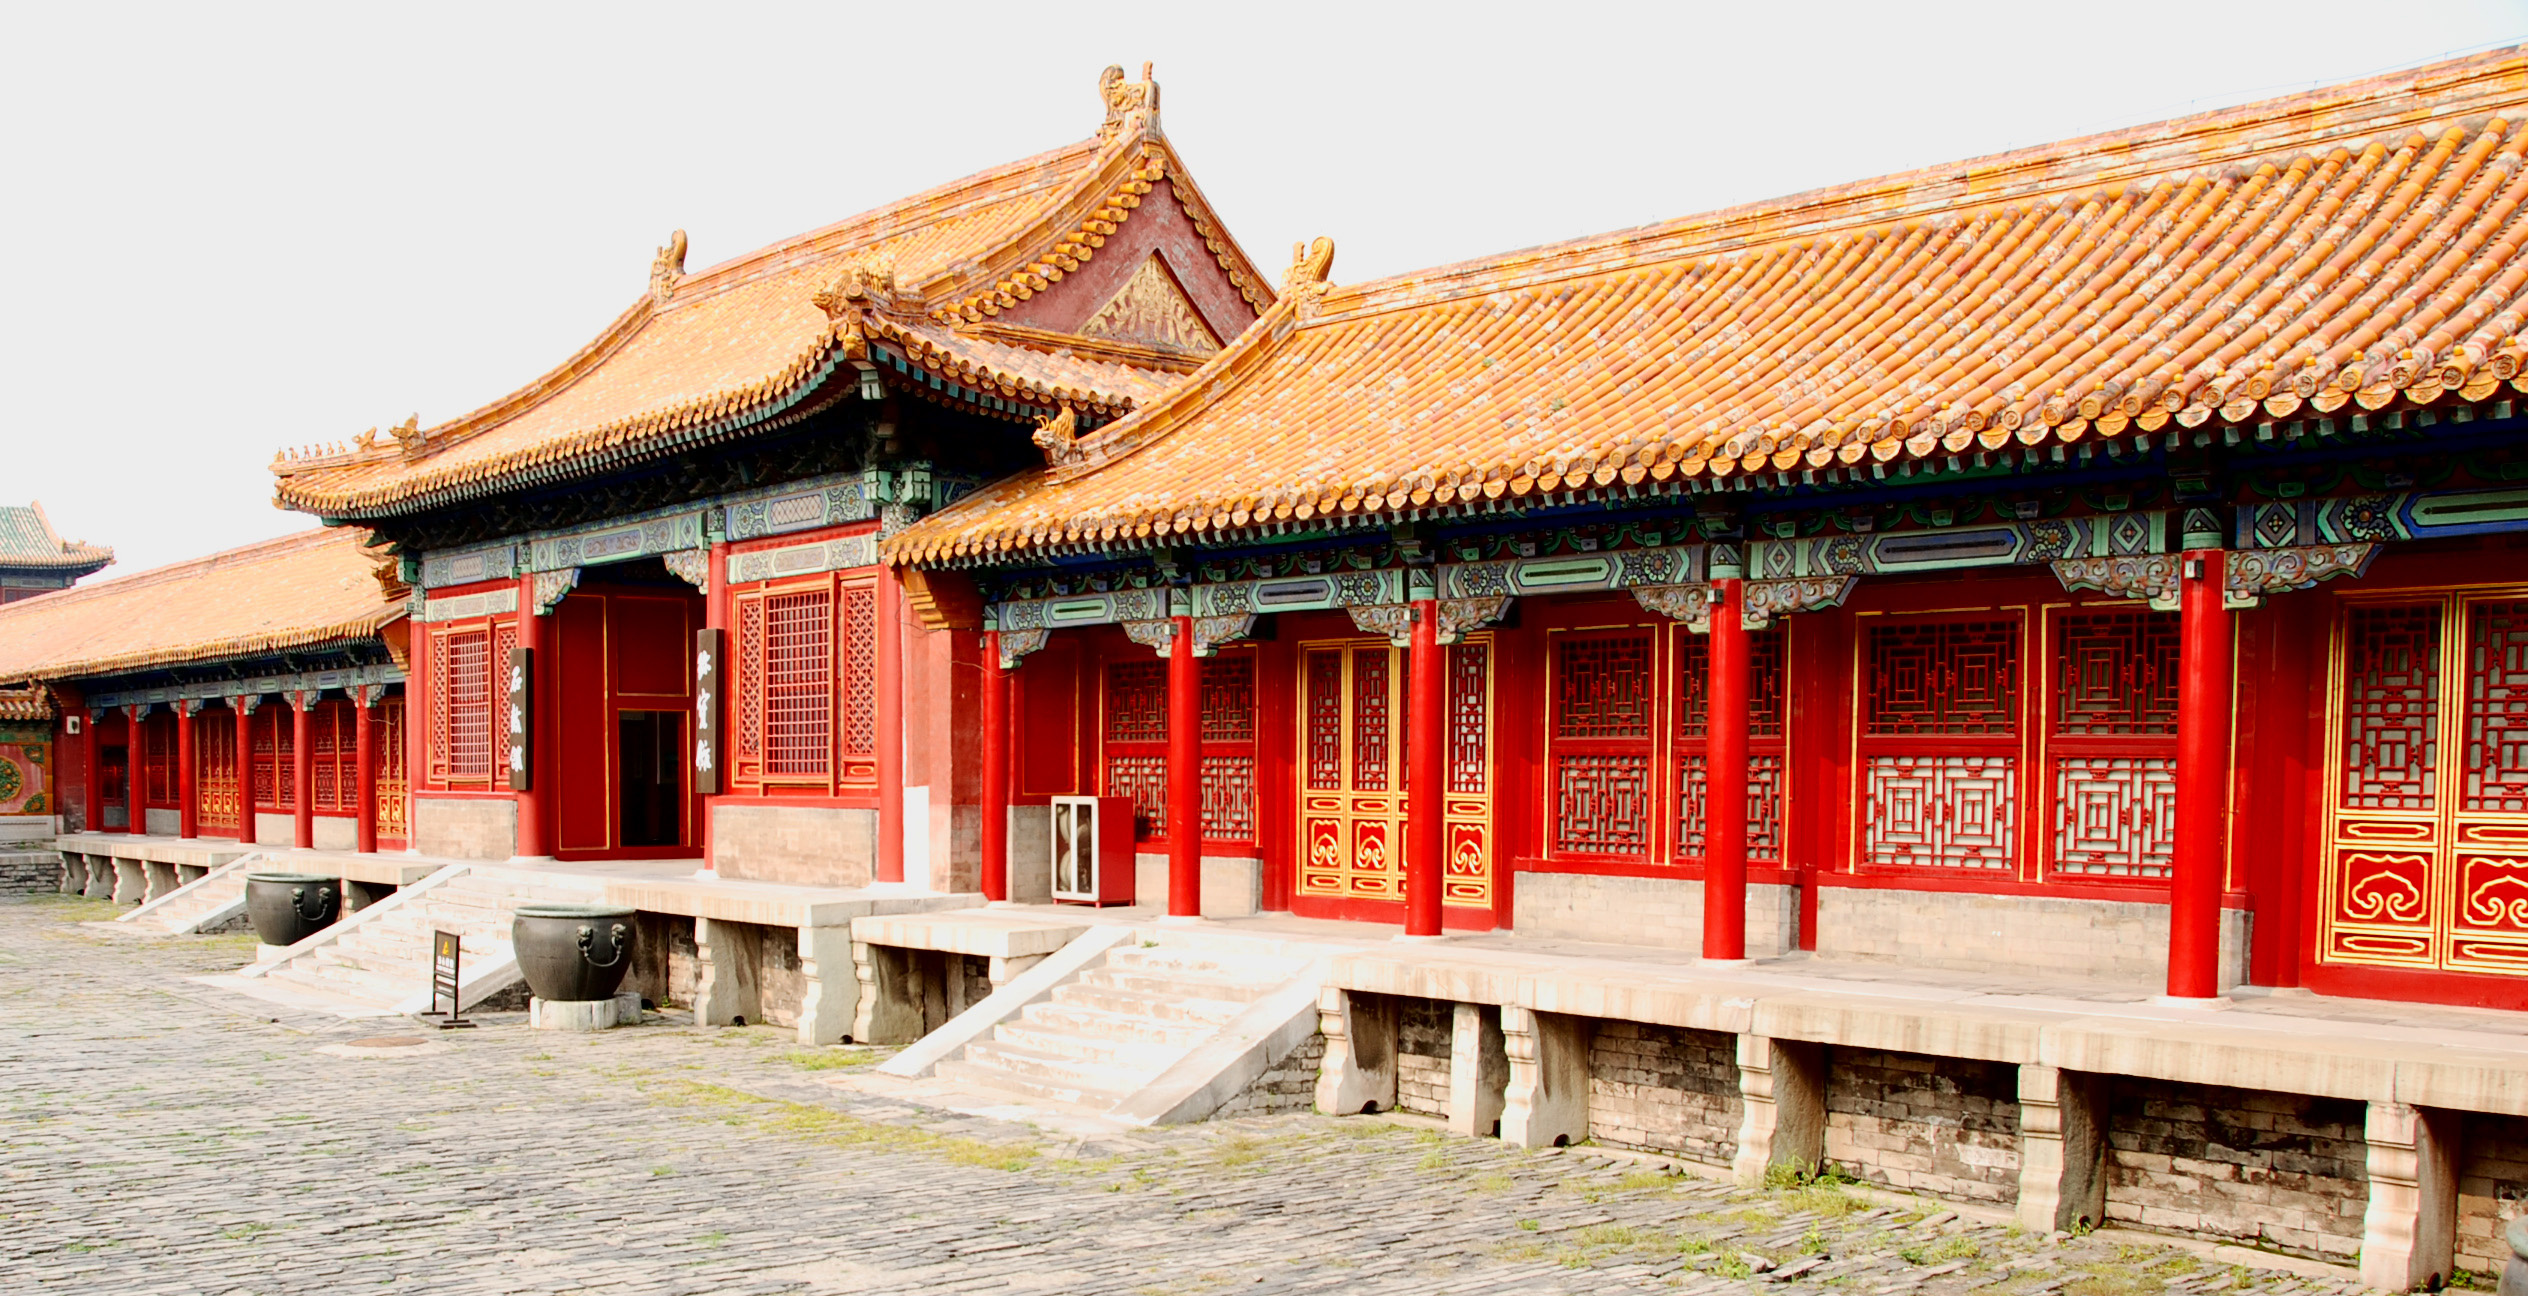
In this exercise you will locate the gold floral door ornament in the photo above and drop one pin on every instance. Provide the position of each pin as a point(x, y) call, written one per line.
point(1352, 761)
point(2426, 862)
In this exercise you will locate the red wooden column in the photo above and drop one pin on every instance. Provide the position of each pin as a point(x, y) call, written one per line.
point(188, 774)
point(1184, 774)
point(1725, 777)
point(537, 829)
point(135, 769)
point(245, 709)
point(303, 770)
point(890, 862)
point(2203, 775)
point(996, 747)
point(363, 771)
point(92, 778)
point(715, 616)
point(1424, 797)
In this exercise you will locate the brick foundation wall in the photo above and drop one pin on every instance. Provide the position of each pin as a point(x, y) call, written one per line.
point(1666, 913)
point(2102, 940)
point(485, 829)
point(2277, 1170)
point(1426, 1036)
point(804, 845)
point(27, 872)
point(1946, 1126)
point(1289, 1085)
point(1664, 1089)
point(2492, 1183)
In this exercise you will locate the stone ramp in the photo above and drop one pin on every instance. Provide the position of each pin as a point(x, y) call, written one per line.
point(378, 959)
point(212, 902)
point(1143, 1025)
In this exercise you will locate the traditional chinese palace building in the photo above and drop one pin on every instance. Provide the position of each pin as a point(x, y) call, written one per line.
point(35, 559)
point(721, 461)
point(1960, 676)
point(2111, 555)
point(254, 695)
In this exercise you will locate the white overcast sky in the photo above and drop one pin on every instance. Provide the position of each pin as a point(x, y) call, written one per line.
point(235, 227)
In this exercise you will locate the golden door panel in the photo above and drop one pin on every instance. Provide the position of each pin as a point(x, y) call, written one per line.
point(2427, 855)
point(1352, 807)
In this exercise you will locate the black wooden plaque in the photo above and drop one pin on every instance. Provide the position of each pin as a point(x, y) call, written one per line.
point(707, 645)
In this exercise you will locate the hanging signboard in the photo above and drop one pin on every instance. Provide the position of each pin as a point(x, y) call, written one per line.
point(706, 710)
point(521, 706)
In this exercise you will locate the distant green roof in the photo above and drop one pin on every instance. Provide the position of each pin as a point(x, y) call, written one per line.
point(27, 540)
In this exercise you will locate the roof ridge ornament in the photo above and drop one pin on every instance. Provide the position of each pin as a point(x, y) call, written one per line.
point(408, 434)
point(1125, 100)
point(667, 269)
point(1305, 282)
point(1059, 436)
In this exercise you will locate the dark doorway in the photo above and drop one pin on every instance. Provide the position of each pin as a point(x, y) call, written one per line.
point(652, 744)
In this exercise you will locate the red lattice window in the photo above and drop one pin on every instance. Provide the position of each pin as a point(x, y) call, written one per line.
point(2496, 777)
point(215, 770)
point(2391, 708)
point(798, 682)
point(1469, 718)
point(1228, 751)
point(1375, 724)
point(275, 729)
point(466, 705)
point(2112, 718)
point(803, 693)
point(2115, 673)
point(1602, 687)
point(1957, 678)
point(1136, 738)
point(1324, 702)
point(158, 768)
point(1767, 652)
point(394, 805)
point(860, 670)
point(748, 697)
point(1939, 746)
point(334, 747)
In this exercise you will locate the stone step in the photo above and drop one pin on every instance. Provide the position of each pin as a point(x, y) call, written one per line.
point(1100, 1024)
point(352, 982)
point(1201, 962)
point(1142, 1057)
point(1139, 1003)
point(995, 1066)
point(1180, 985)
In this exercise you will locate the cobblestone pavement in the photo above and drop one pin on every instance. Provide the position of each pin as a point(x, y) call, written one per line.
point(162, 1136)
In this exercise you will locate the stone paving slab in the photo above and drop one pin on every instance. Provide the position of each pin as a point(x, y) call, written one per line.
point(162, 1136)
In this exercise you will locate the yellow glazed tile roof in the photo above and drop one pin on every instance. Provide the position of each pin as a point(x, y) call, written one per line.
point(314, 587)
point(2355, 244)
point(737, 339)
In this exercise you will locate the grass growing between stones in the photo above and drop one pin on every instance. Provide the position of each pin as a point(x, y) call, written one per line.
point(1959, 1247)
point(839, 1129)
point(832, 1059)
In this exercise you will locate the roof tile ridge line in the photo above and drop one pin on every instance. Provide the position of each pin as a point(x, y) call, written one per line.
point(852, 233)
point(618, 333)
point(1565, 259)
point(195, 566)
point(1205, 219)
point(1123, 437)
point(953, 293)
point(242, 645)
point(448, 435)
point(921, 351)
point(696, 417)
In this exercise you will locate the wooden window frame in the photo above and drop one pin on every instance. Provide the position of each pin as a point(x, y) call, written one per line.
point(498, 635)
point(848, 688)
point(1650, 746)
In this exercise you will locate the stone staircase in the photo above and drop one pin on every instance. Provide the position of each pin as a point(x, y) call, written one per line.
point(379, 958)
point(1111, 1036)
point(212, 902)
